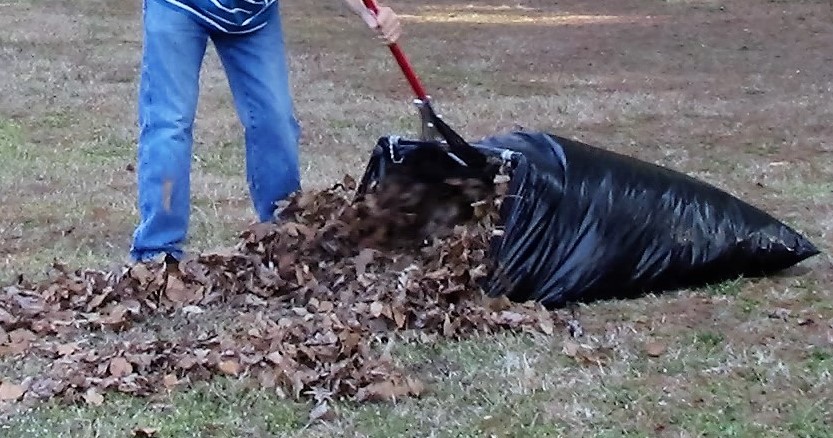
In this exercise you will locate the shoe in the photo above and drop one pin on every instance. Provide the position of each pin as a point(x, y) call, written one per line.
point(168, 261)
point(171, 265)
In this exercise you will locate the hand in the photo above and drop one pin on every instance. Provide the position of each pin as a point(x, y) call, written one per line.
point(386, 23)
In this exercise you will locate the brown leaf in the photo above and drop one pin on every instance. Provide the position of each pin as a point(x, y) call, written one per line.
point(376, 309)
point(230, 367)
point(399, 318)
point(513, 319)
point(570, 348)
point(22, 336)
point(415, 386)
point(120, 367)
point(14, 349)
point(382, 391)
point(267, 378)
point(177, 291)
point(299, 274)
point(19, 342)
point(96, 301)
point(326, 306)
point(498, 304)
point(141, 360)
point(362, 260)
point(170, 381)
point(349, 341)
point(186, 363)
point(593, 356)
point(545, 322)
point(132, 306)
point(251, 359)
point(66, 349)
point(349, 182)
point(116, 317)
point(192, 310)
point(145, 432)
point(10, 391)
point(93, 397)
point(7, 318)
point(448, 328)
point(275, 357)
point(389, 390)
point(655, 348)
point(141, 273)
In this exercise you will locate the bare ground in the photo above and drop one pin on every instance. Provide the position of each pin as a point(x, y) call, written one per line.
point(737, 93)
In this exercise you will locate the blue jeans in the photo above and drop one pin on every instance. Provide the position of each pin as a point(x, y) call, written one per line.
point(256, 68)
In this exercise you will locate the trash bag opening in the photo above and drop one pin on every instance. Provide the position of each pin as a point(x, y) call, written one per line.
point(434, 191)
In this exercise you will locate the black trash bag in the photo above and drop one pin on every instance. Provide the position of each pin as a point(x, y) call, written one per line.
point(582, 223)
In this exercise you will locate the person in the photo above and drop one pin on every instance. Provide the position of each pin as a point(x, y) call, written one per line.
point(248, 37)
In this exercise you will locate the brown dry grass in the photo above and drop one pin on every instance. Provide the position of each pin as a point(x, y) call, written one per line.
point(737, 93)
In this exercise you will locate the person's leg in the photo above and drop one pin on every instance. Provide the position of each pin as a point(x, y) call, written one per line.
point(258, 75)
point(173, 49)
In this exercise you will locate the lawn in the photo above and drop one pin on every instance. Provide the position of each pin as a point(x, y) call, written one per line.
point(739, 94)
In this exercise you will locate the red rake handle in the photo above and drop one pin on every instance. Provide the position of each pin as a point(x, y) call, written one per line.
point(403, 62)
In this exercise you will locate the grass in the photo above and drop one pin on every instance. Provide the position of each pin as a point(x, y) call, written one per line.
point(679, 90)
point(213, 410)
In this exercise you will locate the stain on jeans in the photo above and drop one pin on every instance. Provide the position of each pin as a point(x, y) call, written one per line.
point(167, 192)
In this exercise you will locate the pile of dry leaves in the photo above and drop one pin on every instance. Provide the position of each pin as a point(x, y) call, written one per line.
point(317, 296)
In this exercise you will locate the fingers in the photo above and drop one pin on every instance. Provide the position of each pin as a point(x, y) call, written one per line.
point(389, 27)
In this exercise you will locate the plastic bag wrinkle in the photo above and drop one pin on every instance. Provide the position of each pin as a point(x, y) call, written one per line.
point(585, 223)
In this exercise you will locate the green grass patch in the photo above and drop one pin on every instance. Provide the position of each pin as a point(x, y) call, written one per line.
point(11, 145)
point(219, 409)
point(106, 150)
point(820, 360)
point(708, 341)
point(812, 419)
point(729, 288)
point(226, 159)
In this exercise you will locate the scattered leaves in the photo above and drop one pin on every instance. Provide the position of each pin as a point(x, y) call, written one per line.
point(326, 283)
point(10, 391)
point(586, 354)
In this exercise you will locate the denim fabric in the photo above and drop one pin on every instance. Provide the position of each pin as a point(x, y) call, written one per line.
point(256, 68)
